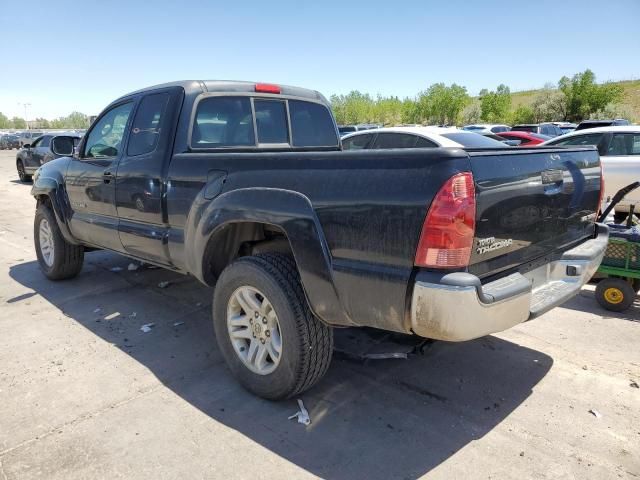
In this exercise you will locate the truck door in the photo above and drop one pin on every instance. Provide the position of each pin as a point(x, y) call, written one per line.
point(140, 186)
point(91, 178)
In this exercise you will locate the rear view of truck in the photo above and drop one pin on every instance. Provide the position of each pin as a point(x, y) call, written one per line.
point(507, 241)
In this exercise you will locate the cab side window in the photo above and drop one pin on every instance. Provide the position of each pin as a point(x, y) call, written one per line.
point(587, 139)
point(145, 130)
point(44, 141)
point(105, 138)
point(624, 144)
point(394, 140)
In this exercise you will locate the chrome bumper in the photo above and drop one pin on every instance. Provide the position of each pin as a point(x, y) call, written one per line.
point(458, 307)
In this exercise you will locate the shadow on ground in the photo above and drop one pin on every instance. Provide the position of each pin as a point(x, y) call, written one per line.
point(380, 419)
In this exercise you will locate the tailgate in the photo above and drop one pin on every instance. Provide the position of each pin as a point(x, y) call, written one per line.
point(531, 204)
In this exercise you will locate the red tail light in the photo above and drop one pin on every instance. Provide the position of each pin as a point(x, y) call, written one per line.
point(448, 230)
point(267, 88)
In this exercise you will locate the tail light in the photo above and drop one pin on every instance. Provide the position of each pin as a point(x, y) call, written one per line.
point(448, 230)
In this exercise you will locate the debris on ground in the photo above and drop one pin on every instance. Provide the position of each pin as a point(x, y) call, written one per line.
point(97, 310)
point(383, 356)
point(146, 328)
point(595, 413)
point(133, 315)
point(522, 454)
point(116, 269)
point(112, 316)
point(177, 324)
point(163, 284)
point(584, 367)
point(133, 267)
point(634, 384)
point(302, 415)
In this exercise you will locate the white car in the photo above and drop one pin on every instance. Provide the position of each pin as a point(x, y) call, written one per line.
point(416, 137)
point(487, 128)
point(619, 149)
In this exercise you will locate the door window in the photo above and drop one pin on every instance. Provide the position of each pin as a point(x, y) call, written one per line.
point(44, 141)
point(36, 143)
point(358, 142)
point(145, 130)
point(590, 139)
point(105, 138)
point(394, 140)
point(624, 144)
point(311, 125)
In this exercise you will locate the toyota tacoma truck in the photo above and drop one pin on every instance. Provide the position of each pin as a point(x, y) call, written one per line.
point(245, 187)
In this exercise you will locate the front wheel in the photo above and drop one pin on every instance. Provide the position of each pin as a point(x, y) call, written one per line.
point(22, 174)
point(58, 259)
point(615, 294)
point(269, 337)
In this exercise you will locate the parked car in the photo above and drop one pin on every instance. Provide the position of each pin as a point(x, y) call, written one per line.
point(346, 129)
point(511, 143)
point(29, 136)
point(548, 129)
point(487, 127)
point(618, 122)
point(619, 149)
point(31, 156)
point(417, 137)
point(256, 199)
point(526, 139)
point(9, 142)
point(565, 127)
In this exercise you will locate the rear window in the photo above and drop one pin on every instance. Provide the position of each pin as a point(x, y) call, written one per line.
point(311, 125)
point(223, 122)
point(524, 128)
point(228, 121)
point(473, 140)
point(271, 121)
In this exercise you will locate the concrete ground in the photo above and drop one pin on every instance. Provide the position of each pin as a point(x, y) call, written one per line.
point(84, 393)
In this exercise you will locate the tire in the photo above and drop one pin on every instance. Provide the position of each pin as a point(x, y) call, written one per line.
point(636, 285)
point(306, 343)
point(615, 294)
point(24, 178)
point(67, 258)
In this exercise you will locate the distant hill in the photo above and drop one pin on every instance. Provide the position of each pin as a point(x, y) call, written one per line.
point(631, 97)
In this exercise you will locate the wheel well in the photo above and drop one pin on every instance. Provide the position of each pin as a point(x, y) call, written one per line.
point(241, 239)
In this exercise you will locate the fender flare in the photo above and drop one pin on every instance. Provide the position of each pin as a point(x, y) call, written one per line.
point(52, 186)
point(288, 210)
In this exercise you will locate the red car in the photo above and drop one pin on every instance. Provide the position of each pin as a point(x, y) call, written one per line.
point(527, 139)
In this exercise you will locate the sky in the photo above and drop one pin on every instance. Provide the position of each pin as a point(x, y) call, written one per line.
point(80, 55)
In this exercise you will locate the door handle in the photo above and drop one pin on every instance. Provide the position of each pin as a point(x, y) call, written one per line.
point(107, 176)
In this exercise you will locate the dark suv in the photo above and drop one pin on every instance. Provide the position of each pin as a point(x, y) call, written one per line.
point(31, 156)
point(8, 142)
point(602, 123)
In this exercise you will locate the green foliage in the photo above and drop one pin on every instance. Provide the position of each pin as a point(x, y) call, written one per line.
point(495, 106)
point(584, 96)
point(5, 122)
point(18, 122)
point(442, 105)
point(523, 114)
point(74, 120)
point(549, 105)
point(472, 113)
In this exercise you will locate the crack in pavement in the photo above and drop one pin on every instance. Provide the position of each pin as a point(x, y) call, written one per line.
point(77, 420)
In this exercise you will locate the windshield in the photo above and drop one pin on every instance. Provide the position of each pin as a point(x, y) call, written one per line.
point(473, 140)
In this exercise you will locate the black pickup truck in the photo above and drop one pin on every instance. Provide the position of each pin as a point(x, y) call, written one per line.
point(245, 187)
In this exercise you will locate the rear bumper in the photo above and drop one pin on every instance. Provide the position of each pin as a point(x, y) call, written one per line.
point(457, 307)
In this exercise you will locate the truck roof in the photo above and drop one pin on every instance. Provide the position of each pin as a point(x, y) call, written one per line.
point(199, 86)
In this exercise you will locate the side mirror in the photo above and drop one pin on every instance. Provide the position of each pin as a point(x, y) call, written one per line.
point(62, 145)
point(26, 145)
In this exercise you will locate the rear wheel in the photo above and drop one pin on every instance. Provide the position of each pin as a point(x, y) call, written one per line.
point(22, 174)
point(58, 259)
point(615, 294)
point(273, 344)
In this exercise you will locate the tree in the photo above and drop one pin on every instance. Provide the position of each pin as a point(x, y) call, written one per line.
point(549, 105)
point(4, 121)
point(495, 106)
point(43, 123)
point(523, 114)
point(442, 105)
point(18, 123)
point(584, 96)
point(472, 113)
